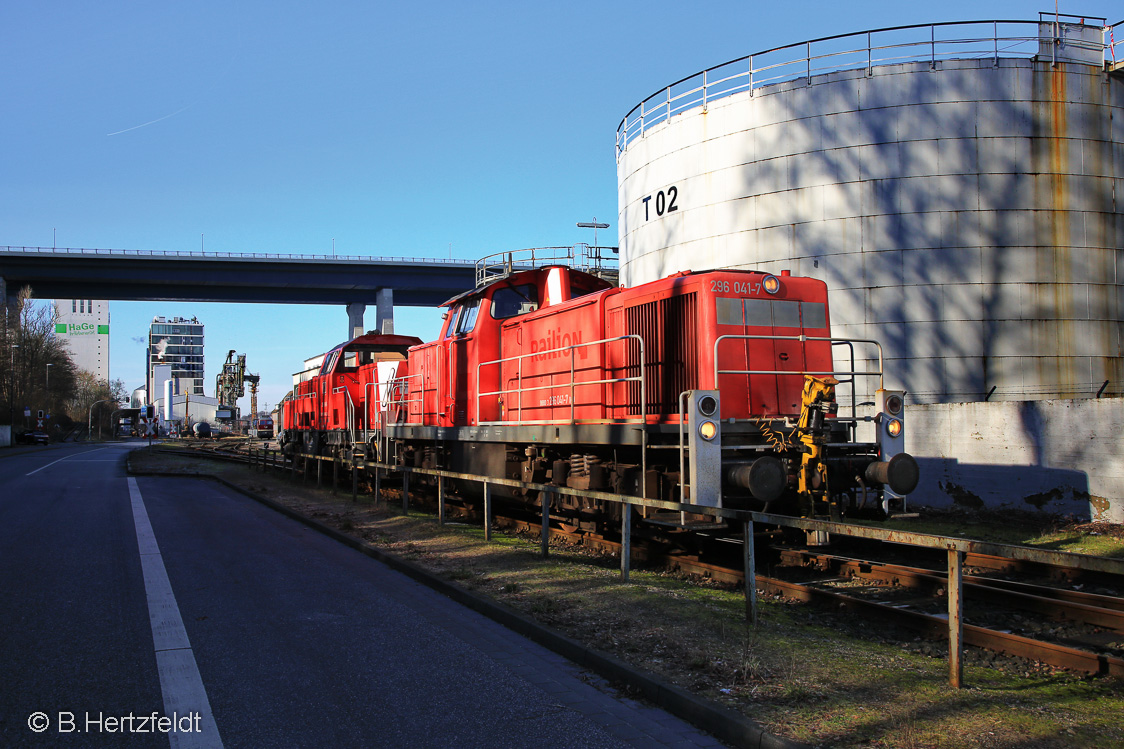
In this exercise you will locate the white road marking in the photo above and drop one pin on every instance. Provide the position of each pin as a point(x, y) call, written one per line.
point(68, 457)
point(180, 682)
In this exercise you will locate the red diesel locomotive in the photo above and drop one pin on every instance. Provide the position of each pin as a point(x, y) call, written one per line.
point(714, 388)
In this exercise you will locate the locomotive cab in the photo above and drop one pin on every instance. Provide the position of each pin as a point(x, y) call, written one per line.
point(343, 403)
point(459, 374)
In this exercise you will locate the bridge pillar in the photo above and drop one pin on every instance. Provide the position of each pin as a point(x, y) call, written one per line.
point(384, 310)
point(8, 303)
point(355, 312)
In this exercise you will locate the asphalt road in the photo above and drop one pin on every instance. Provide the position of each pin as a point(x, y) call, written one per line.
point(123, 597)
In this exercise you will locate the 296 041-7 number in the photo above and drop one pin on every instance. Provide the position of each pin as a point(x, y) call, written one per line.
point(738, 287)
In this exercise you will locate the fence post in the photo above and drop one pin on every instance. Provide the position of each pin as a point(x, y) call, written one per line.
point(750, 574)
point(955, 617)
point(335, 469)
point(440, 500)
point(354, 480)
point(545, 494)
point(487, 511)
point(319, 471)
point(626, 539)
point(405, 492)
point(378, 485)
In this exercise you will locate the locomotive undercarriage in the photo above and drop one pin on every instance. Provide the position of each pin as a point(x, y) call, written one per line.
point(757, 476)
point(807, 467)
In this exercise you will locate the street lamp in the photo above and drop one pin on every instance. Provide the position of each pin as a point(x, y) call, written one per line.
point(12, 395)
point(90, 417)
point(593, 225)
point(48, 389)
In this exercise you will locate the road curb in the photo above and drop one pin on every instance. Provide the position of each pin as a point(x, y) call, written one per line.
point(725, 724)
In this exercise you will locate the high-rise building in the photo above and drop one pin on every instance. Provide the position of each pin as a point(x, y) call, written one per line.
point(178, 343)
point(83, 324)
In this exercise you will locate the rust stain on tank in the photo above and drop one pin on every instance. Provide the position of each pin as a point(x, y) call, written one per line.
point(1056, 334)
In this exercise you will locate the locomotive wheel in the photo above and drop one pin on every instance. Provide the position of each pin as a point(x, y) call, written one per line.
point(313, 442)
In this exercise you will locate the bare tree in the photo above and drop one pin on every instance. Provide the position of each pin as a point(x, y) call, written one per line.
point(37, 371)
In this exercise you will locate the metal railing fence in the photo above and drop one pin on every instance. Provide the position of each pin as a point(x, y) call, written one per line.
point(589, 258)
point(102, 252)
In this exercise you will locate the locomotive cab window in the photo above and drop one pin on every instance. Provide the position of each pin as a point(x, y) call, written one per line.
point(453, 315)
point(350, 361)
point(514, 300)
point(329, 362)
point(466, 319)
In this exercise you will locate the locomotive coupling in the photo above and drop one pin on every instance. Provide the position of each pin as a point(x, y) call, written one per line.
point(900, 473)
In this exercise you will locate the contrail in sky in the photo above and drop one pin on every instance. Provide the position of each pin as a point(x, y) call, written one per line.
point(153, 122)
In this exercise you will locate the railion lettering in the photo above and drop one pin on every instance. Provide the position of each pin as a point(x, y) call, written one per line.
point(556, 345)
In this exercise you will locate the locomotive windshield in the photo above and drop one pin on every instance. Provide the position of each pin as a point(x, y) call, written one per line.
point(514, 300)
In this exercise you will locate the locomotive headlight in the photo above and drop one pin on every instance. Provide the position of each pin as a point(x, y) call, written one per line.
point(894, 427)
point(771, 284)
point(708, 404)
point(707, 430)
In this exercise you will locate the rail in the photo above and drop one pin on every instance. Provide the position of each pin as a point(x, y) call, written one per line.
point(932, 43)
point(956, 548)
point(600, 261)
point(101, 252)
point(572, 384)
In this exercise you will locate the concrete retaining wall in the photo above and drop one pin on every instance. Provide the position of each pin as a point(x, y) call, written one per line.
point(1059, 456)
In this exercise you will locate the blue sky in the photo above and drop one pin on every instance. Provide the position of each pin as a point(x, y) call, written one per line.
point(421, 130)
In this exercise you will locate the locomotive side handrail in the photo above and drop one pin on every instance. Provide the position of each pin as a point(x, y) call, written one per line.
point(572, 384)
point(368, 403)
point(398, 395)
point(349, 412)
point(879, 373)
point(314, 412)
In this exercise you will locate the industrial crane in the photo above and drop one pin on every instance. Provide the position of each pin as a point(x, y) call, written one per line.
point(230, 385)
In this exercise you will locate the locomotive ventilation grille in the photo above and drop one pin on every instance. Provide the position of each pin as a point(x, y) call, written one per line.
point(669, 329)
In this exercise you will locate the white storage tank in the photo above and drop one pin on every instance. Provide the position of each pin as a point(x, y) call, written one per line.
point(960, 187)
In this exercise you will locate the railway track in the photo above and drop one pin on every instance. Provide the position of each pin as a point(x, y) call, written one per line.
point(1061, 627)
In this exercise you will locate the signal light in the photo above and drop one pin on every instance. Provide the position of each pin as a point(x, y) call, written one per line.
point(704, 447)
point(893, 427)
point(708, 430)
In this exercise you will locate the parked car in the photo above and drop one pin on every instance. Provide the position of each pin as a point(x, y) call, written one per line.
point(32, 438)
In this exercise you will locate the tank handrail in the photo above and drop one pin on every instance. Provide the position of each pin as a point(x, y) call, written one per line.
point(667, 101)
